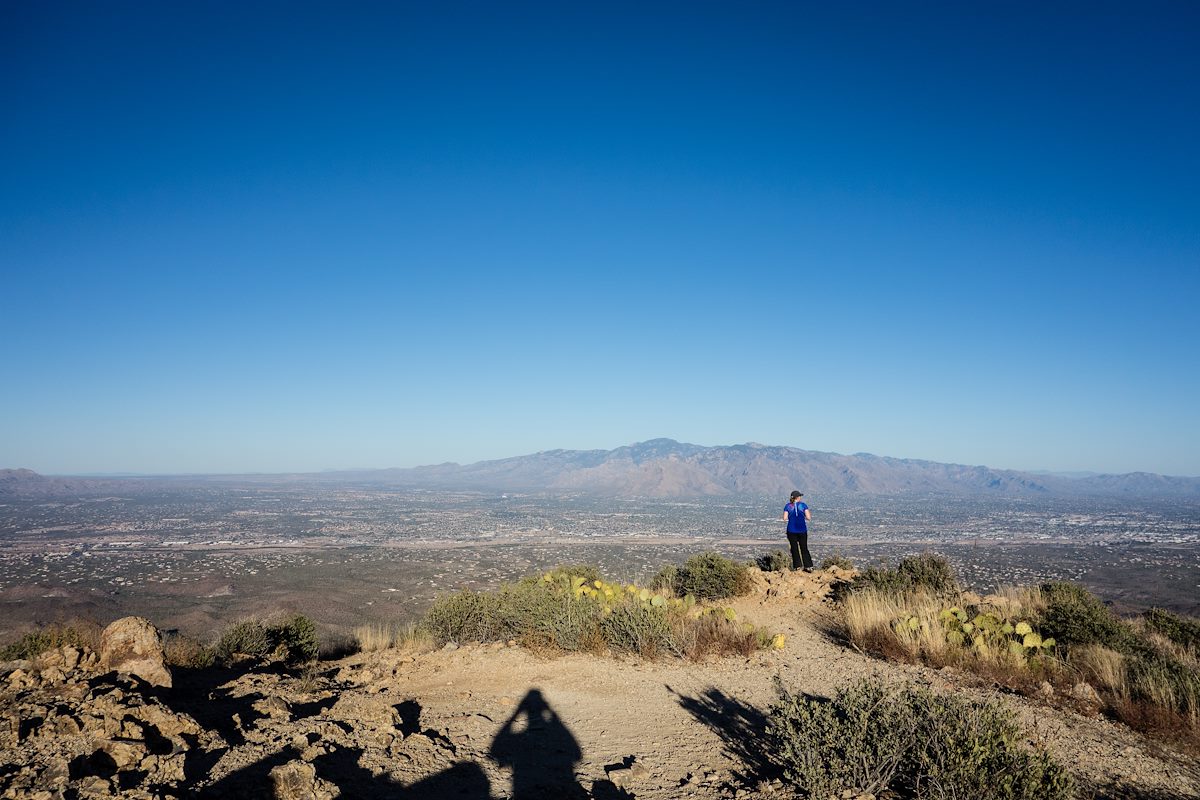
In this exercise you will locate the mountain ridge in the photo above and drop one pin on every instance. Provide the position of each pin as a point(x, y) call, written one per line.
point(665, 469)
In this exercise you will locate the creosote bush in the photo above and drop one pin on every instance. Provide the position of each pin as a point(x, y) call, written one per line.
point(928, 572)
point(707, 576)
point(294, 640)
point(1075, 616)
point(872, 737)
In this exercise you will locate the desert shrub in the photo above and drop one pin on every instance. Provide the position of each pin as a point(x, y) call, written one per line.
point(246, 638)
point(921, 628)
point(837, 560)
point(639, 628)
point(34, 643)
point(293, 640)
point(775, 561)
point(927, 572)
point(872, 737)
point(1074, 616)
point(711, 576)
point(1165, 682)
point(184, 651)
point(560, 610)
point(664, 580)
point(466, 616)
point(1182, 631)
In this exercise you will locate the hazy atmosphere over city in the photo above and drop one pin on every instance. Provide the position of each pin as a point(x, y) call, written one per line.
point(293, 237)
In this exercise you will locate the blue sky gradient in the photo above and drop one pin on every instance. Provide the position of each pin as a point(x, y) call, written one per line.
point(300, 237)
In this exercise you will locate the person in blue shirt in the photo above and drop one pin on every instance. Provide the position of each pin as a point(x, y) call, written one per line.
point(797, 516)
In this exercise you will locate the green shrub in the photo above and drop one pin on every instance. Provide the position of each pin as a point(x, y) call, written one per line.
point(1074, 617)
point(871, 737)
point(247, 638)
point(561, 610)
point(837, 560)
point(927, 572)
point(711, 576)
point(293, 640)
point(34, 643)
point(1183, 631)
point(775, 561)
point(466, 616)
point(639, 628)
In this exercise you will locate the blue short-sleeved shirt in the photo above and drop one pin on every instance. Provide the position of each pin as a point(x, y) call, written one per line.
point(795, 514)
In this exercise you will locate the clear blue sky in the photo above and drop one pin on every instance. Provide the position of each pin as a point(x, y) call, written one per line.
point(293, 236)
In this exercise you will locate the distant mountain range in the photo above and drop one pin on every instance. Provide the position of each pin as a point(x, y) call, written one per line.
point(664, 468)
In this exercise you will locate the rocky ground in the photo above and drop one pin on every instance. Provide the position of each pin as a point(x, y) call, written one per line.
point(488, 721)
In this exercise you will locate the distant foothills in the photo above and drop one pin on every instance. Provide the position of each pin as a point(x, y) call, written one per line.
point(664, 468)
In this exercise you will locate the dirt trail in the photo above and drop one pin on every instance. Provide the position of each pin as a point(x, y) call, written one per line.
point(500, 721)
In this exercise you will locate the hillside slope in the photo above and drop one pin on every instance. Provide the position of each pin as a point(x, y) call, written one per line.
point(498, 721)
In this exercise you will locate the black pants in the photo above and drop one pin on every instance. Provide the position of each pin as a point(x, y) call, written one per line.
point(799, 544)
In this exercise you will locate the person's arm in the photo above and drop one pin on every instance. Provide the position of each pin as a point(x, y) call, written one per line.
point(807, 515)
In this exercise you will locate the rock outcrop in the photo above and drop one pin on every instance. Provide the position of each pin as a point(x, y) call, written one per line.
point(133, 646)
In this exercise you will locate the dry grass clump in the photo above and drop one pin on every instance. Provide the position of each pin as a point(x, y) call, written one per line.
point(387, 636)
point(180, 650)
point(1147, 670)
point(563, 611)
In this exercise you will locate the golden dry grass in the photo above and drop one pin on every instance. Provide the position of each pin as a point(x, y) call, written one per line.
point(389, 636)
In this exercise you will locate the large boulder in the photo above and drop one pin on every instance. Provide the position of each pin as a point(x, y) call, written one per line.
point(134, 646)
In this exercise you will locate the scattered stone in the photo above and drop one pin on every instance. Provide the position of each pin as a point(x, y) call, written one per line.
point(1085, 693)
point(132, 645)
point(297, 780)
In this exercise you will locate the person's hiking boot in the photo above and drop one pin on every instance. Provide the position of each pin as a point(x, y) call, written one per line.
point(808, 569)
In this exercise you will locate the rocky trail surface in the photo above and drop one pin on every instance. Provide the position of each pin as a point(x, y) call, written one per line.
point(483, 721)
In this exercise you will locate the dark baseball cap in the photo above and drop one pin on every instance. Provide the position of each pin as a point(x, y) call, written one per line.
point(797, 494)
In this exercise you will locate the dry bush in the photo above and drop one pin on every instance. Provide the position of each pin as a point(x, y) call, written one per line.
point(1102, 668)
point(77, 633)
point(184, 651)
point(913, 627)
point(389, 636)
point(561, 611)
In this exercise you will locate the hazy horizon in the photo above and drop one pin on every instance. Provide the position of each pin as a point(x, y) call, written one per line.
point(403, 235)
point(234, 472)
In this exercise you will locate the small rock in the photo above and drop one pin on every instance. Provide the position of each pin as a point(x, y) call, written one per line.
point(449, 647)
point(297, 780)
point(621, 776)
point(274, 707)
point(1045, 690)
point(53, 675)
point(1084, 692)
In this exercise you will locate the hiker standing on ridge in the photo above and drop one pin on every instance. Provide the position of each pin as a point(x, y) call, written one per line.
point(797, 516)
